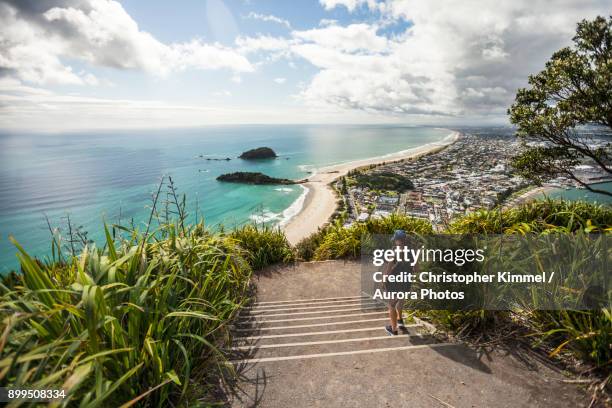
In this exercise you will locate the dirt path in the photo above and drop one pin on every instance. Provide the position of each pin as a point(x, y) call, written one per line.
point(312, 340)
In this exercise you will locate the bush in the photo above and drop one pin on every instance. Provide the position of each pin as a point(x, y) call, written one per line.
point(537, 216)
point(588, 334)
point(383, 180)
point(136, 321)
point(263, 245)
point(306, 248)
point(339, 242)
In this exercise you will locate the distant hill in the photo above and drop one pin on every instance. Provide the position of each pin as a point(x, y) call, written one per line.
point(252, 178)
point(259, 153)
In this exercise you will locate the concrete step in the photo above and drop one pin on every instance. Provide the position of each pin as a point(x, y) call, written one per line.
point(379, 340)
point(337, 311)
point(327, 361)
point(388, 345)
point(297, 301)
point(375, 329)
point(358, 321)
point(296, 308)
point(291, 320)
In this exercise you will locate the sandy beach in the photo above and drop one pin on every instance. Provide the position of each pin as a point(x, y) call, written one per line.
point(529, 195)
point(320, 201)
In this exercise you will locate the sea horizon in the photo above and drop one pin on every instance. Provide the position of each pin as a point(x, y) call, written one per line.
point(108, 176)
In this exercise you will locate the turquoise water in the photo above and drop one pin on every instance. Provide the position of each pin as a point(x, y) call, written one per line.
point(102, 175)
point(578, 194)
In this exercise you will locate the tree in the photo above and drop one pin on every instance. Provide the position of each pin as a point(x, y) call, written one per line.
point(572, 93)
point(343, 188)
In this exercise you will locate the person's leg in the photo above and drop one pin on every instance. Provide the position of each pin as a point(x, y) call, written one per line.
point(392, 328)
point(399, 307)
point(393, 316)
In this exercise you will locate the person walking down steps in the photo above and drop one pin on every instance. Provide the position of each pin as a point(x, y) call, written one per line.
point(394, 305)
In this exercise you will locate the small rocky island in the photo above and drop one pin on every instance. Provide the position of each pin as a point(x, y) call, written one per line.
point(259, 153)
point(253, 178)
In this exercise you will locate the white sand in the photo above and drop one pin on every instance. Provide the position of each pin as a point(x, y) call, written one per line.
point(532, 194)
point(320, 201)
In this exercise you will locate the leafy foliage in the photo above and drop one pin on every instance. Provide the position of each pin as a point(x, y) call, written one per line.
point(585, 333)
point(263, 245)
point(340, 242)
point(136, 321)
point(384, 180)
point(574, 89)
point(537, 216)
point(306, 248)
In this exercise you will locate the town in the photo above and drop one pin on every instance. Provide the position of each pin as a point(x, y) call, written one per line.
point(473, 173)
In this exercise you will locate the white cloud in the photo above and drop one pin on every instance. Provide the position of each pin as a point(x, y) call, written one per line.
point(197, 54)
point(280, 81)
point(34, 109)
point(327, 22)
point(351, 5)
point(37, 38)
point(268, 18)
point(267, 43)
point(353, 37)
point(414, 60)
point(464, 59)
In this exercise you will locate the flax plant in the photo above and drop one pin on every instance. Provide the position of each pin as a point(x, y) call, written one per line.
point(138, 321)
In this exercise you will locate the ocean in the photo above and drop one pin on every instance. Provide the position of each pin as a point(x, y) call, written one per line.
point(581, 194)
point(110, 176)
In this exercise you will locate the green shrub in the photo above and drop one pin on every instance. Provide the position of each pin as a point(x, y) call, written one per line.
point(537, 216)
point(136, 321)
point(339, 242)
point(263, 245)
point(587, 334)
point(388, 225)
point(383, 180)
point(306, 248)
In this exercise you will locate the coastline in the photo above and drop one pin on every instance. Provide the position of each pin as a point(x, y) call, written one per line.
point(535, 193)
point(319, 202)
point(529, 195)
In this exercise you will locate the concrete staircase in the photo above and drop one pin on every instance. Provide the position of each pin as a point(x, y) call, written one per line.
point(318, 328)
point(312, 339)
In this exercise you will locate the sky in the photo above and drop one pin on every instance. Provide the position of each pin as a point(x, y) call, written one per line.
point(99, 64)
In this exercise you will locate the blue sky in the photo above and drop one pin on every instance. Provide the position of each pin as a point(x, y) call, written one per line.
point(68, 64)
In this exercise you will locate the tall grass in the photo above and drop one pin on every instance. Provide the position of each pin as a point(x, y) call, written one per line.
point(339, 242)
point(263, 245)
point(546, 216)
point(306, 248)
point(135, 322)
point(586, 334)
point(143, 319)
